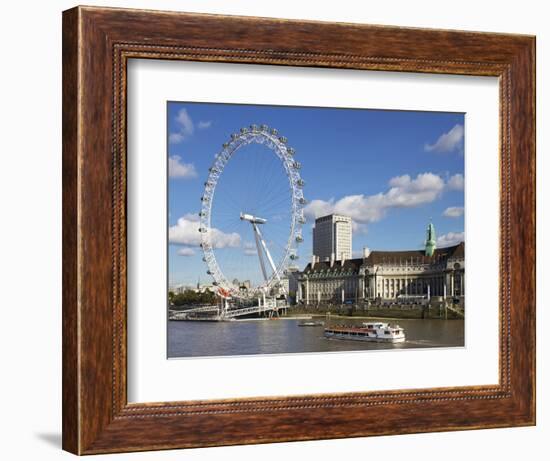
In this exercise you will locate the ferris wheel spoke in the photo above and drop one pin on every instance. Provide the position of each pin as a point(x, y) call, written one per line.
point(276, 202)
point(273, 201)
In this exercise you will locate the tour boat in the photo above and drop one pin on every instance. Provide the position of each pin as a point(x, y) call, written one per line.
point(375, 331)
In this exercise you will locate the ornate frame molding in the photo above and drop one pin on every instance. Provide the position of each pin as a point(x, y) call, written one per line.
point(97, 44)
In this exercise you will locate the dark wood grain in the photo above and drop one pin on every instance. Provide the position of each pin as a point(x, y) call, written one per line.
point(97, 43)
point(70, 383)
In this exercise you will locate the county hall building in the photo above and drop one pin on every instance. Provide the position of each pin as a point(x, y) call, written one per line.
point(400, 276)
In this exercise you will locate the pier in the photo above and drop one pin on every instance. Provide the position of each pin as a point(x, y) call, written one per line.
point(226, 312)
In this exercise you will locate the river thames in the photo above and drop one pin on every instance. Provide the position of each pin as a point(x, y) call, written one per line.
point(283, 336)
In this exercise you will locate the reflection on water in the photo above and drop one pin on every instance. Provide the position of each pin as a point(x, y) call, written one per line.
point(282, 336)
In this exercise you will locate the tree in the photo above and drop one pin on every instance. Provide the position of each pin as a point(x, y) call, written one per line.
point(191, 297)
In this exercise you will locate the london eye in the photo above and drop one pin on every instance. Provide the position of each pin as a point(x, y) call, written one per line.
point(252, 212)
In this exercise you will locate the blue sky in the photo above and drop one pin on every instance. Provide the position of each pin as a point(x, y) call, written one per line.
point(392, 171)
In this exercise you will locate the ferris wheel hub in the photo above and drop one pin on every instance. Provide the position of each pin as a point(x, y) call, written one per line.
point(252, 219)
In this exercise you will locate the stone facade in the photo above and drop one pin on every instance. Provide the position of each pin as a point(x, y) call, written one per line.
point(400, 276)
point(324, 282)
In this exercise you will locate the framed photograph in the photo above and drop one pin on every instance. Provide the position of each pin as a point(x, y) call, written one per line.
point(253, 222)
point(282, 230)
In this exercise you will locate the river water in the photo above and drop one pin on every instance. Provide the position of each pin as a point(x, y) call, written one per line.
point(282, 336)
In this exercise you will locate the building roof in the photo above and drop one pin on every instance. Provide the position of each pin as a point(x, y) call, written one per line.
point(388, 257)
point(352, 265)
point(333, 216)
point(392, 257)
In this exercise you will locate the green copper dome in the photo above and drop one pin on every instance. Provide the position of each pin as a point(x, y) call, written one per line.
point(430, 240)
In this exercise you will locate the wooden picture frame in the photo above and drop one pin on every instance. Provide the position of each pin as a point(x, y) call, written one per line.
point(97, 43)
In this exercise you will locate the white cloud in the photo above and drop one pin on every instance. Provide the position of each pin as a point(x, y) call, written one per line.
point(186, 251)
point(185, 122)
point(250, 249)
point(404, 192)
point(317, 208)
point(456, 182)
point(175, 138)
point(450, 239)
point(186, 232)
point(407, 192)
point(179, 169)
point(359, 228)
point(185, 127)
point(454, 212)
point(447, 142)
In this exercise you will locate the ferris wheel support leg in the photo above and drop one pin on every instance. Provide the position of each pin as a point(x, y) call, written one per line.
point(257, 238)
point(270, 259)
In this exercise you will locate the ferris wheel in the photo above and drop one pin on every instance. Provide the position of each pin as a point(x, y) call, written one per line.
point(252, 214)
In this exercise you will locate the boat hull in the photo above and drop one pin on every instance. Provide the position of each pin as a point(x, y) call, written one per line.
point(372, 339)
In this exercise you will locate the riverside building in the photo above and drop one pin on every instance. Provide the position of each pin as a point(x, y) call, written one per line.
point(386, 276)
